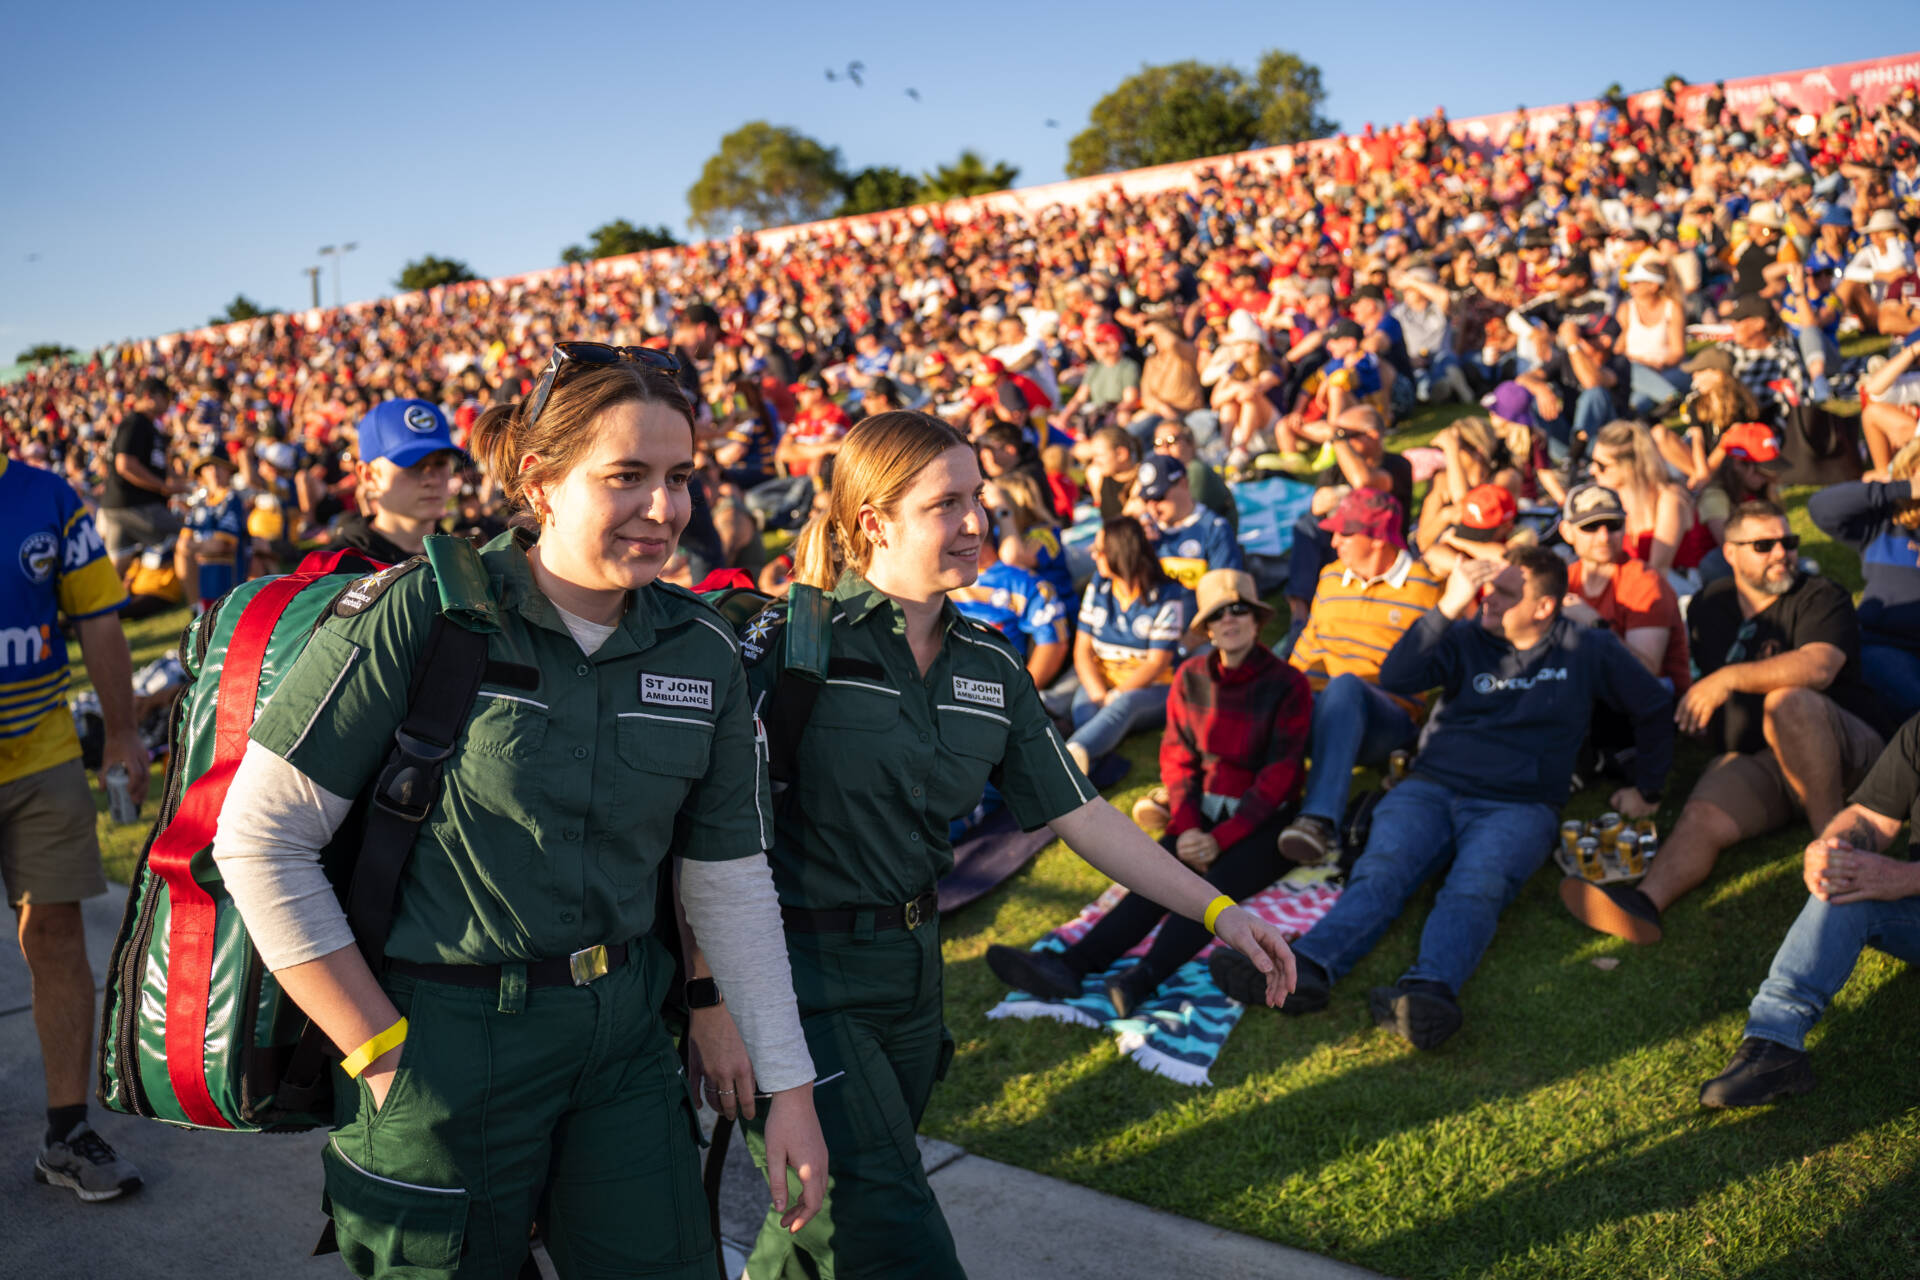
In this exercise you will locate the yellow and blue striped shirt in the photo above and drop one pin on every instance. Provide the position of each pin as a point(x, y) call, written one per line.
point(1356, 621)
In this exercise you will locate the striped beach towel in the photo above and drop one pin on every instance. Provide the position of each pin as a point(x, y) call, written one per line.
point(1179, 1032)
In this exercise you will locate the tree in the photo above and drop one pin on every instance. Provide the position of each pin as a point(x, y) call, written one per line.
point(45, 353)
point(878, 188)
point(242, 308)
point(430, 272)
point(617, 238)
point(1185, 110)
point(766, 175)
point(968, 175)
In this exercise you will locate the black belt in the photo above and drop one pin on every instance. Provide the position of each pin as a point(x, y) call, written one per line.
point(911, 915)
point(577, 970)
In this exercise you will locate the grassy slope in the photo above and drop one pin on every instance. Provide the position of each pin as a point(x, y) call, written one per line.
point(1557, 1134)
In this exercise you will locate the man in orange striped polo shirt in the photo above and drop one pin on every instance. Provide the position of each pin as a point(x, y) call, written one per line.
point(1365, 600)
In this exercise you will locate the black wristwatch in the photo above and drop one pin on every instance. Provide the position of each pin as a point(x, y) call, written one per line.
point(702, 993)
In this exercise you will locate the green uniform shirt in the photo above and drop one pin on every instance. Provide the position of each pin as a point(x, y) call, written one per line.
point(562, 799)
point(889, 757)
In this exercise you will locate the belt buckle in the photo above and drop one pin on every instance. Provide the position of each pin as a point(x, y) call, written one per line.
point(588, 965)
point(914, 916)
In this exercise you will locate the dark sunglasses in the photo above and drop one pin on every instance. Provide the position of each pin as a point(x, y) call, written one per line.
point(1765, 546)
point(591, 353)
point(1605, 526)
point(1238, 609)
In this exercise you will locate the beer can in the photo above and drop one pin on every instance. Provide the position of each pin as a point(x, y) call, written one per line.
point(1608, 827)
point(1570, 832)
point(1630, 855)
point(1646, 827)
point(1398, 763)
point(120, 796)
point(1649, 845)
point(1587, 850)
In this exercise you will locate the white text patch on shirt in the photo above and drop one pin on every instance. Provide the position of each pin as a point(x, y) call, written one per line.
point(676, 691)
point(986, 693)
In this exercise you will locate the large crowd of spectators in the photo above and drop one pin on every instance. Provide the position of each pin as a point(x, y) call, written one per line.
point(1641, 327)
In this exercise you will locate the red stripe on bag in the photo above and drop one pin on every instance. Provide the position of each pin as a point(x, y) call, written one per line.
point(190, 927)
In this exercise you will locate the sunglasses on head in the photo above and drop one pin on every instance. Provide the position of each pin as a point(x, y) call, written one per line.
point(567, 354)
point(1765, 546)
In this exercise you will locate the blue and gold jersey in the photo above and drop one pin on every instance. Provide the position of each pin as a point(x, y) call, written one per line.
point(55, 564)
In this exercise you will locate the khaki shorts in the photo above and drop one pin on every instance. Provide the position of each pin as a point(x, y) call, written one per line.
point(126, 530)
point(1752, 790)
point(49, 851)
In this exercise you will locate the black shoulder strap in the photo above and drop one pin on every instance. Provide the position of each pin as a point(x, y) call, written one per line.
point(445, 683)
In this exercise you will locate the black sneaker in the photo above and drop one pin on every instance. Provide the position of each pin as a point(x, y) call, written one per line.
point(1038, 973)
point(86, 1165)
point(1128, 988)
point(1618, 909)
point(1762, 1071)
point(1422, 1013)
point(1234, 974)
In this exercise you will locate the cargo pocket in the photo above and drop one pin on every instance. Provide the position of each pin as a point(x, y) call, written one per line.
point(692, 1225)
point(382, 1224)
point(948, 1046)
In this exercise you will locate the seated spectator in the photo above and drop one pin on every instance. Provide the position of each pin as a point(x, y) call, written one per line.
point(1890, 403)
point(1112, 457)
point(1578, 382)
point(1607, 587)
point(1763, 360)
point(1004, 448)
point(1351, 376)
point(1361, 461)
point(1019, 605)
point(1423, 313)
point(213, 552)
point(1131, 621)
point(1109, 391)
point(1746, 468)
point(1475, 455)
point(1062, 489)
point(1489, 526)
point(1188, 538)
point(1716, 401)
point(1879, 521)
point(1028, 535)
point(1779, 699)
point(1662, 528)
point(1230, 761)
point(1244, 381)
point(1517, 684)
point(1170, 389)
point(1652, 336)
point(1175, 440)
point(1365, 601)
point(1858, 898)
point(1886, 258)
point(1811, 310)
point(815, 434)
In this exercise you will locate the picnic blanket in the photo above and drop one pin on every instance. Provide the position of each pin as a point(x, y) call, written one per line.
point(995, 847)
point(1179, 1032)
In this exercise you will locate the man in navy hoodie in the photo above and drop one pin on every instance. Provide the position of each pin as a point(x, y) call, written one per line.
point(1518, 684)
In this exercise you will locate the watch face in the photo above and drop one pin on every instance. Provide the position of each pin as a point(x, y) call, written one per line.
point(702, 993)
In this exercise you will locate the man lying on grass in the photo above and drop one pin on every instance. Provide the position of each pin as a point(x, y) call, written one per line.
point(1860, 898)
point(1518, 683)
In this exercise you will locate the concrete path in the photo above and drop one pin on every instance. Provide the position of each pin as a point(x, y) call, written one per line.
point(220, 1205)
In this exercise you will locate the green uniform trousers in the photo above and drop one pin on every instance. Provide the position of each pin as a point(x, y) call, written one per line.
point(565, 1102)
point(871, 1008)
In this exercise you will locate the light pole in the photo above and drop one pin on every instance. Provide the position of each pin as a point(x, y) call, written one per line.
point(336, 252)
point(313, 279)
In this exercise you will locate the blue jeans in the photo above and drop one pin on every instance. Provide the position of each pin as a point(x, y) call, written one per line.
point(1418, 828)
point(1816, 343)
point(1648, 386)
point(1894, 673)
point(1353, 723)
point(1099, 728)
point(1817, 957)
point(1443, 378)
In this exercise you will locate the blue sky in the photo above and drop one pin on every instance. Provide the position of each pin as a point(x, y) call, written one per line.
point(161, 159)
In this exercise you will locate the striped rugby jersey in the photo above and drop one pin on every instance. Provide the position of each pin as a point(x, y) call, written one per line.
point(1355, 622)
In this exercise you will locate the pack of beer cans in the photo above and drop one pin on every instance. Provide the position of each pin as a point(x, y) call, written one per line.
point(1608, 850)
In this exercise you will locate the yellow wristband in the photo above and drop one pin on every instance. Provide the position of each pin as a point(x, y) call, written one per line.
point(360, 1059)
point(1214, 909)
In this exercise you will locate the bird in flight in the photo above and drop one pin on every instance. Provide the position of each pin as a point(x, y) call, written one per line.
point(1053, 124)
point(854, 70)
point(831, 77)
point(914, 94)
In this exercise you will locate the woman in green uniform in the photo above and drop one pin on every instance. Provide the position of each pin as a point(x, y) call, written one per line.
point(919, 710)
point(508, 1063)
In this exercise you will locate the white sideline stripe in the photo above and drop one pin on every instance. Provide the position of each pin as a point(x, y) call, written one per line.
point(509, 697)
point(871, 688)
point(648, 715)
point(973, 711)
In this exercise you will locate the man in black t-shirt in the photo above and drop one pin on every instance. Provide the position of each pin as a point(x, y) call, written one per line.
point(133, 499)
point(1779, 694)
point(1861, 898)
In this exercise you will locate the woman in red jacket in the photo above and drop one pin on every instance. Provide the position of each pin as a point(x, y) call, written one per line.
point(1231, 761)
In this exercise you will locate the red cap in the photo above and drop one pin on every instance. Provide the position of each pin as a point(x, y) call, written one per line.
point(1367, 511)
point(1754, 441)
point(1488, 507)
point(1107, 332)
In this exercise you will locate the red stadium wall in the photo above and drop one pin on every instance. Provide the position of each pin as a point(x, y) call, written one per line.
point(1814, 90)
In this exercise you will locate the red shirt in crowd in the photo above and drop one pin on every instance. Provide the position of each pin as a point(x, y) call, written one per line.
point(1638, 596)
point(1234, 731)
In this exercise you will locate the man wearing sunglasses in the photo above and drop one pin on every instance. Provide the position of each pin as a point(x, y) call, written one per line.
point(1781, 699)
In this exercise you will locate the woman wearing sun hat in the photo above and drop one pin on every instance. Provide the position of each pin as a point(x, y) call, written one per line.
point(1232, 762)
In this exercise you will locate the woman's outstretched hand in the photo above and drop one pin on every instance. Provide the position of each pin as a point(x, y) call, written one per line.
point(1263, 944)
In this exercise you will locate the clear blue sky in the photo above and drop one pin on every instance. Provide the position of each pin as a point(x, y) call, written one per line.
point(161, 158)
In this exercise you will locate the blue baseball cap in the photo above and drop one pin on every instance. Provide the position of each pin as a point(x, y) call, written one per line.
point(404, 432)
